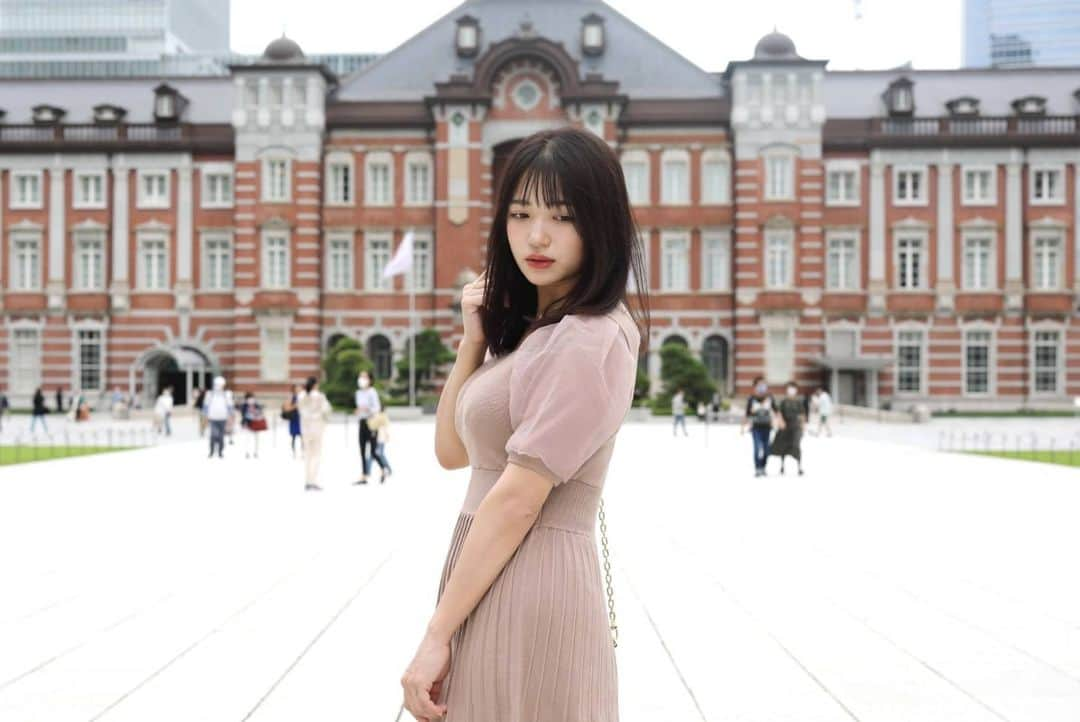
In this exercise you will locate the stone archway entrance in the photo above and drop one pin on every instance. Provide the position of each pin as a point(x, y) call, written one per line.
point(181, 367)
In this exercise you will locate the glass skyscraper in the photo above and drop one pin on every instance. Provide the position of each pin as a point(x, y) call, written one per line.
point(1016, 33)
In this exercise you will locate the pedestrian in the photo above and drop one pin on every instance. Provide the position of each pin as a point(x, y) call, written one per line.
point(4, 406)
point(59, 399)
point(760, 418)
point(313, 411)
point(252, 419)
point(792, 413)
point(367, 404)
point(197, 404)
point(537, 424)
point(230, 423)
point(163, 412)
point(38, 411)
point(218, 409)
point(825, 406)
point(678, 410)
point(380, 424)
point(290, 413)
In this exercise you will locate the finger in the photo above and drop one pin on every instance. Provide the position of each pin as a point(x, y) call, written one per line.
point(427, 706)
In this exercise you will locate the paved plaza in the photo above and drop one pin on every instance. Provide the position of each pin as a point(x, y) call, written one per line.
point(892, 583)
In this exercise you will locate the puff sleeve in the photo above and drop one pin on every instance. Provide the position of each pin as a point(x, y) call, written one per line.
point(569, 397)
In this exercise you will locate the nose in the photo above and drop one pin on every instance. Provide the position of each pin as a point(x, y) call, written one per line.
point(538, 235)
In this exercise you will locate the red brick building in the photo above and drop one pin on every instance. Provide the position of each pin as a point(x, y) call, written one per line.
point(902, 236)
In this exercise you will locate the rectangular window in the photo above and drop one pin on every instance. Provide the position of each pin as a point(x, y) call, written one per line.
point(1046, 262)
point(26, 189)
point(636, 173)
point(979, 187)
point(218, 262)
point(276, 188)
point(153, 189)
point(715, 262)
point(841, 263)
point(275, 259)
point(90, 357)
point(275, 354)
point(978, 262)
point(89, 190)
point(715, 182)
point(778, 259)
point(25, 260)
point(421, 268)
point(1046, 350)
point(842, 187)
point(418, 188)
point(89, 260)
point(779, 178)
point(1047, 186)
point(676, 181)
point(841, 342)
point(909, 362)
point(339, 263)
point(217, 190)
point(779, 355)
point(909, 186)
point(675, 262)
point(376, 256)
point(25, 361)
point(977, 362)
point(341, 183)
point(909, 262)
point(379, 190)
point(154, 259)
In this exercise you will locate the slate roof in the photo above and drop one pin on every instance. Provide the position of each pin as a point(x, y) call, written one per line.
point(643, 66)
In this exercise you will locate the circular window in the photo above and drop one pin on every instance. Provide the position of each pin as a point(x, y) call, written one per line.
point(457, 119)
point(526, 95)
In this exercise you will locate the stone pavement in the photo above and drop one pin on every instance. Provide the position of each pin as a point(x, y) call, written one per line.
point(891, 583)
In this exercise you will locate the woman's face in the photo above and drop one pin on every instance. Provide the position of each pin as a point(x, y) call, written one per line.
point(537, 231)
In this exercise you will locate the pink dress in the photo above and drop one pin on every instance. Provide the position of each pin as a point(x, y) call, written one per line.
point(537, 647)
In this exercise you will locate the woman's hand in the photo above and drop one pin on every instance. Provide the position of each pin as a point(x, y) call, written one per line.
point(472, 298)
point(423, 679)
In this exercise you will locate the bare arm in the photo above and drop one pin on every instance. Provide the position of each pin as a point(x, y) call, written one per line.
point(449, 449)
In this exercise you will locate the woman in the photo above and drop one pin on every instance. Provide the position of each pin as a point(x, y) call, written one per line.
point(792, 413)
point(313, 410)
point(760, 418)
point(367, 405)
point(290, 413)
point(520, 631)
point(38, 412)
point(252, 419)
point(380, 426)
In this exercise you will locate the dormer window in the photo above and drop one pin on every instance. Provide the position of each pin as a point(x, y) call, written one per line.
point(47, 114)
point(1030, 105)
point(169, 104)
point(108, 114)
point(964, 107)
point(900, 97)
point(468, 36)
point(592, 34)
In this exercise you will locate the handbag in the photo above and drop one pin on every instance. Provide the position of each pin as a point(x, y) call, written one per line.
point(613, 626)
point(258, 424)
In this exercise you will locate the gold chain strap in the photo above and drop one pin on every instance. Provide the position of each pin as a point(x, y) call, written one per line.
point(607, 577)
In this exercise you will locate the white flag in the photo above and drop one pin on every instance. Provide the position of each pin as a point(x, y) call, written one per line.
point(402, 260)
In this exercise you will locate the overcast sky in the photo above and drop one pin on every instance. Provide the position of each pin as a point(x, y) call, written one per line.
point(927, 33)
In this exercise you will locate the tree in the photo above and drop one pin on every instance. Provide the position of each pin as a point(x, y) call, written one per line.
point(341, 365)
point(680, 369)
point(431, 355)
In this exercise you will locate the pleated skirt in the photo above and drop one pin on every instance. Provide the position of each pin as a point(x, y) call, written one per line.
point(537, 647)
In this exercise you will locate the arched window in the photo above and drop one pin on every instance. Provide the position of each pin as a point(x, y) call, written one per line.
point(381, 355)
point(714, 354)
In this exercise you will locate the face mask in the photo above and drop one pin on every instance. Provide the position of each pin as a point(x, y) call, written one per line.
point(791, 392)
point(761, 388)
point(363, 382)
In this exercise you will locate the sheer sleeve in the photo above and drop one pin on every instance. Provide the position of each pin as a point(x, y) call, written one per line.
point(569, 397)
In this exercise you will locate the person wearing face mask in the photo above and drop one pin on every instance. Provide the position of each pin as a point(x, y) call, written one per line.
point(792, 414)
point(367, 405)
point(760, 417)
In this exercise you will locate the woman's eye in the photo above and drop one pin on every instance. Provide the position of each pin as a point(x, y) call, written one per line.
point(568, 219)
point(518, 214)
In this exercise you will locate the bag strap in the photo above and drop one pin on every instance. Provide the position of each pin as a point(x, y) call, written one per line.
point(607, 577)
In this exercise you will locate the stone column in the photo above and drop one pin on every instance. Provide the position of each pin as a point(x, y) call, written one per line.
point(1014, 230)
point(121, 284)
point(946, 231)
point(184, 241)
point(56, 286)
point(878, 284)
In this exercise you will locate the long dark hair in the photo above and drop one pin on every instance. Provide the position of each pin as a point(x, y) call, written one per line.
point(577, 168)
